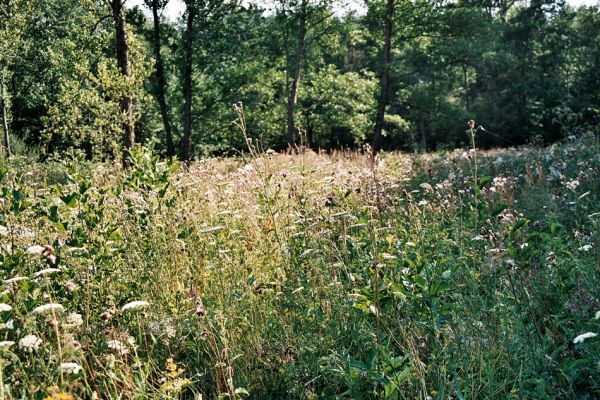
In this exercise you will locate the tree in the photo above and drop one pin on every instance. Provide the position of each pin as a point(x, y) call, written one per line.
point(385, 76)
point(188, 50)
point(298, 20)
point(122, 48)
point(293, 94)
point(156, 6)
point(14, 17)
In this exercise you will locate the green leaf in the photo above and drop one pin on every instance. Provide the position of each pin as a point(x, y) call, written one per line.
point(498, 208)
point(555, 227)
point(70, 200)
point(3, 172)
point(484, 181)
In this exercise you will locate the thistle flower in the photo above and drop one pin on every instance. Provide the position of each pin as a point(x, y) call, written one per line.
point(48, 307)
point(30, 343)
point(581, 338)
point(135, 305)
point(71, 286)
point(5, 307)
point(70, 367)
point(108, 313)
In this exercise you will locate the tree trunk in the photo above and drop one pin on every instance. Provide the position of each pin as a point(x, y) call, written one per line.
point(466, 85)
point(293, 95)
point(423, 140)
point(123, 63)
point(186, 145)
point(385, 78)
point(492, 86)
point(4, 115)
point(161, 81)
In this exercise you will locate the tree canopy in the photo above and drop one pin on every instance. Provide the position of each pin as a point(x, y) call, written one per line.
point(307, 72)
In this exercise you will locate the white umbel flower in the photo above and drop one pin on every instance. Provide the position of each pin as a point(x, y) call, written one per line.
point(597, 316)
point(135, 305)
point(74, 319)
point(15, 279)
point(30, 343)
point(46, 271)
point(6, 344)
point(70, 367)
point(118, 347)
point(36, 249)
point(48, 307)
point(5, 307)
point(584, 336)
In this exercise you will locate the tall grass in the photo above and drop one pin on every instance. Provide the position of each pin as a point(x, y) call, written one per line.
point(302, 276)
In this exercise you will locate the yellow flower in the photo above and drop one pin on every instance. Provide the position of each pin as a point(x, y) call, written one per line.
point(60, 396)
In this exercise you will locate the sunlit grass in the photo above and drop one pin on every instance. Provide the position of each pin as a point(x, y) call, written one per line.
point(304, 276)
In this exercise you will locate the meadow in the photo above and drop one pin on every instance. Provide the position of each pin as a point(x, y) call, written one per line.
point(450, 275)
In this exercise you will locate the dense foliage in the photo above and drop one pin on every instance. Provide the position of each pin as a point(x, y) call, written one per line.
point(306, 276)
point(527, 71)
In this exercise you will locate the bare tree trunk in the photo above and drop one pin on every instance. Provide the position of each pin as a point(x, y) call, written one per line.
point(293, 95)
point(385, 77)
point(117, 7)
point(186, 145)
point(161, 81)
point(4, 115)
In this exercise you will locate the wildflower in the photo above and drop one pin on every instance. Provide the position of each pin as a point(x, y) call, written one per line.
point(30, 343)
point(5, 307)
point(135, 305)
point(71, 286)
point(6, 344)
point(597, 316)
point(70, 367)
point(46, 271)
point(573, 184)
point(48, 307)
point(426, 187)
point(60, 396)
point(74, 319)
point(586, 247)
point(200, 310)
point(118, 347)
point(36, 249)
point(108, 313)
point(130, 340)
point(582, 337)
point(170, 332)
point(15, 279)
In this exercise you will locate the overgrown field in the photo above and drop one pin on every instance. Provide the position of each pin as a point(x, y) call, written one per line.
point(303, 277)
